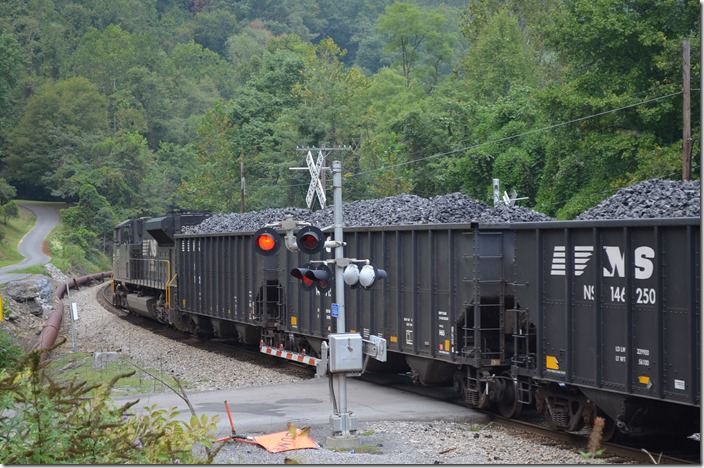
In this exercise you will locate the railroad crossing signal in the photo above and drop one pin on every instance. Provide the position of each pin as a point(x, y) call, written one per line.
point(310, 240)
point(300, 273)
point(320, 278)
point(267, 241)
point(315, 186)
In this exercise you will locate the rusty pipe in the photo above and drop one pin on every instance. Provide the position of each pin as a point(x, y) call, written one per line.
point(50, 330)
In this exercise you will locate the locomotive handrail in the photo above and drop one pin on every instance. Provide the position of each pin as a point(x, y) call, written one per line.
point(168, 290)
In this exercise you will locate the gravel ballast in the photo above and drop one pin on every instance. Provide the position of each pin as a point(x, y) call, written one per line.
point(393, 442)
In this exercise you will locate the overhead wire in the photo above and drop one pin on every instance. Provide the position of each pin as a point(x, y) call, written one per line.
point(498, 140)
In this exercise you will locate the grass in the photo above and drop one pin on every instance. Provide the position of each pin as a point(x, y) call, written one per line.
point(68, 258)
point(79, 367)
point(15, 230)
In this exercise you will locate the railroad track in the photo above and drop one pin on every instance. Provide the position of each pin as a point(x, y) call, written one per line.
point(577, 441)
point(230, 349)
point(613, 453)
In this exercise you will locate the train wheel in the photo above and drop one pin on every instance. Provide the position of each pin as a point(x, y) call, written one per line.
point(473, 397)
point(508, 403)
point(550, 419)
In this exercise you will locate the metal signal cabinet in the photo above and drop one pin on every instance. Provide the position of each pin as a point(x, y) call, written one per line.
point(611, 306)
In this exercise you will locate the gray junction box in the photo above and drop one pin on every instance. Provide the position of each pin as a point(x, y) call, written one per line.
point(345, 352)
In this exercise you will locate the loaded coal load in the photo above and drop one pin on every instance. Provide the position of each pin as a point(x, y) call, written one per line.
point(455, 208)
point(655, 198)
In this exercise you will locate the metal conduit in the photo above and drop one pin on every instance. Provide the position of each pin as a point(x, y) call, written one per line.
point(50, 330)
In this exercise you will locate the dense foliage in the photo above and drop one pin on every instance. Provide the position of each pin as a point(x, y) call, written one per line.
point(44, 422)
point(134, 107)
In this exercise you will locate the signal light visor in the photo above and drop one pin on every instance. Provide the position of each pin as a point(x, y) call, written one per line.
point(301, 273)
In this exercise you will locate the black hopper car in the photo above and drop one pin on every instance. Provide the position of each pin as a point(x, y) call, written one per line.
point(577, 319)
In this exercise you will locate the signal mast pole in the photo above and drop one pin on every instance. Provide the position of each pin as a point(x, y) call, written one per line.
point(346, 350)
point(347, 439)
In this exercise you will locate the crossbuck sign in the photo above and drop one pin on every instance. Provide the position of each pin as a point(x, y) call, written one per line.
point(315, 186)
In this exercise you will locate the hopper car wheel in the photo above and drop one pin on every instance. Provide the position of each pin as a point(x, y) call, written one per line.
point(549, 419)
point(508, 403)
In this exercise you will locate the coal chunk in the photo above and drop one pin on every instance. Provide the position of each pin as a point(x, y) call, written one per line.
point(406, 209)
point(654, 198)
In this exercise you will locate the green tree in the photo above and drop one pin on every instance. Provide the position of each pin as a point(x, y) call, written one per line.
point(9, 211)
point(252, 129)
point(45, 422)
point(210, 182)
point(615, 55)
point(11, 63)
point(57, 112)
point(213, 28)
point(328, 95)
point(245, 50)
point(90, 218)
point(7, 191)
point(500, 58)
point(410, 32)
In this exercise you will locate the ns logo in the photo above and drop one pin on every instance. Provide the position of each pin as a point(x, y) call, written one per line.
point(614, 261)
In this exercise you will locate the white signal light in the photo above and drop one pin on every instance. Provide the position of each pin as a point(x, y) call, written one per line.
point(351, 275)
point(369, 275)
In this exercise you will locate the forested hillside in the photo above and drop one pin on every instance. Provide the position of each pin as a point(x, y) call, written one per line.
point(135, 107)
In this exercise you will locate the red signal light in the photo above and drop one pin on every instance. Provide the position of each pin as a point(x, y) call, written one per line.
point(320, 278)
point(301, 273)
point(310, 240)
point(267, 241)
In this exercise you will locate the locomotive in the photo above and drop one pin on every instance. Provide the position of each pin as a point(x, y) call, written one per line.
point(576, 319)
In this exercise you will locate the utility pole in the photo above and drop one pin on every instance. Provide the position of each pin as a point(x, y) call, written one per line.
point(686, 117)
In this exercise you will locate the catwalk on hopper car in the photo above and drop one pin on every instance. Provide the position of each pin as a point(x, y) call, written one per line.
point(575, 318)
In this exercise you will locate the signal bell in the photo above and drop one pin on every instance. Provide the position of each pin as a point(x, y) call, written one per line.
point(267, 241)
point(310, 240)
point(366, 277)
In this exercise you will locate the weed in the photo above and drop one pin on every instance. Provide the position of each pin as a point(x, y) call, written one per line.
point(593, 448)
point(43, 421)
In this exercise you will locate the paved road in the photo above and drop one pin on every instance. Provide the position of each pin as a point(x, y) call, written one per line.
point(270, 408)
point(31, 244)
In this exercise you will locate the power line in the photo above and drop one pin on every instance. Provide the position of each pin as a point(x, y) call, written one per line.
point(520, 135)
point(503, 139)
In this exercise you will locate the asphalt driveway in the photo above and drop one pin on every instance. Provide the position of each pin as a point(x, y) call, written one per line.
point(31, 244)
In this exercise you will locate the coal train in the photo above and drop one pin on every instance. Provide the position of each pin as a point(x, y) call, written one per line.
point(575, 319)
